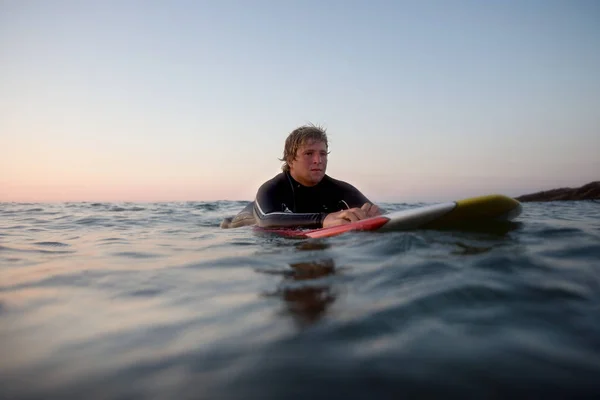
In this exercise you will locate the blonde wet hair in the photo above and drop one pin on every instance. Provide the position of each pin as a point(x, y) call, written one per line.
point(299, 137)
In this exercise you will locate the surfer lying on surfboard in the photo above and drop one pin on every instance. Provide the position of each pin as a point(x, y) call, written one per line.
point(303, 195)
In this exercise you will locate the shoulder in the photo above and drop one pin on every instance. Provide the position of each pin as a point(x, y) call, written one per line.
point(346, 191)
point(274, 183)
point(329, 181)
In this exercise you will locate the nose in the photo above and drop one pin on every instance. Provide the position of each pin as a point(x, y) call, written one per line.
point(317, 158)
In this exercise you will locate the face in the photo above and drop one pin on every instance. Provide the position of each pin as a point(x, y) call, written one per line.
point(310, 164)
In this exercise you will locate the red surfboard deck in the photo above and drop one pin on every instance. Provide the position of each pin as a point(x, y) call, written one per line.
point(369, 224)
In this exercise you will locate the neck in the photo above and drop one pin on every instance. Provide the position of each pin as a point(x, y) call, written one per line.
point(298, 181)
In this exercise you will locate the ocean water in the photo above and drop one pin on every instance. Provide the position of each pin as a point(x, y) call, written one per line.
point(155, 301)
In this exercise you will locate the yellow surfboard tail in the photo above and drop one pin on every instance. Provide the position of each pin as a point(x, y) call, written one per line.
point(492, 207)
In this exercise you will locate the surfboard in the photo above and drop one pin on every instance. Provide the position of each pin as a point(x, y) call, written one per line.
point(474, 210)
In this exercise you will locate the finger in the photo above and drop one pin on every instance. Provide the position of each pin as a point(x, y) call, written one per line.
point(334, 219)
point(350, 216)
point(374, 211)
point(371, 210)
point(359, 212)
point(340, 221)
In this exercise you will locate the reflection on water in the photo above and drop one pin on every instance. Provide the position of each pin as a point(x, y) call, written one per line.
point(304, 291)
point(308, 303)
point(312, 244)
point(305, 294)
point(465, 249)
point(499, 228)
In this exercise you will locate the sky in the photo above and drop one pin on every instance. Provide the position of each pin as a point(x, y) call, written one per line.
point(423, 101)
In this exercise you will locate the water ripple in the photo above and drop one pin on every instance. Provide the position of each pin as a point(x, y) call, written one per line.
point(136, 254)
point(51, 244)
point(166, 303)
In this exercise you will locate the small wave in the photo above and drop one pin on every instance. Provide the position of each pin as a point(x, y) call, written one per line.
point(52, 244)
point(62, 217)
point(145, 293)
point(394, 243)
point(206, 207)
point(241, 242)
point(508, 263)
point(204, 236)
point(436, 297)
point(11, 259)
point(42, 251)
point(258, 265)
point(554, 291)
point(33, 220)
point(136, 254)
point(90, 221)
point(121, 209)
point(562, 231)
point(174, 231)
point(587, 252)
point(210, 224)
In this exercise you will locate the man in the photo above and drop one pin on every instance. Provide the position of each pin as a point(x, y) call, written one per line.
point(303, 195)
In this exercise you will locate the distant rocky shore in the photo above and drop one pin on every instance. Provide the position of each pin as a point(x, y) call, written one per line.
point(591, 191)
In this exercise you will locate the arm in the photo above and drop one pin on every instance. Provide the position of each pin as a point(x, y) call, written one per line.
point(269, 209)
point(353, 198)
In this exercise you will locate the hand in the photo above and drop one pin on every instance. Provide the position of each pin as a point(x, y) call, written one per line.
point(370, 210)
point(344, 217)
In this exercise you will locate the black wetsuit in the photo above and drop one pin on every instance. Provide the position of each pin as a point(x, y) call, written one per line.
point(284, 203)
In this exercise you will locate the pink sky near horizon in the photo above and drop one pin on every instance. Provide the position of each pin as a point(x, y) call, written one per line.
point(432, 190)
